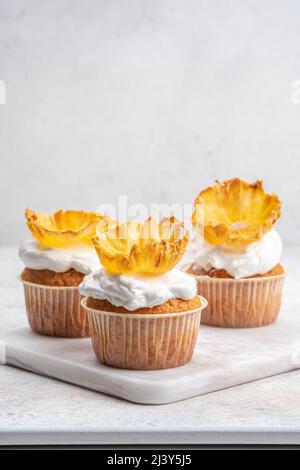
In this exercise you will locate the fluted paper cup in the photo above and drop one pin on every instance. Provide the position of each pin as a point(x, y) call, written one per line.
point(55, 311)
point(137, 341)
point(241, 303)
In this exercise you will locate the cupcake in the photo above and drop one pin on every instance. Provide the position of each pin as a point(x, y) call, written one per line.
point(56, 261)
point(237, 262)
point(143, 312)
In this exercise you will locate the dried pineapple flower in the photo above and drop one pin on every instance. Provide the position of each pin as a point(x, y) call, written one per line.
point(235, 213)
point(136, 247)
point(63, 228)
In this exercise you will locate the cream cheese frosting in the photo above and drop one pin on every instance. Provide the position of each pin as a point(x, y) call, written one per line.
point(82, 258)
point(254, 258)
point(137, 291)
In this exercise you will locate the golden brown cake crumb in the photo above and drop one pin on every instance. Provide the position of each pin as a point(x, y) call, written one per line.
point(51, 278)
point(221, 273)
point(172, 306)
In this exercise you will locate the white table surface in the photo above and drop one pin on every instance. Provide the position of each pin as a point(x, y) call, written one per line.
point(38, 410)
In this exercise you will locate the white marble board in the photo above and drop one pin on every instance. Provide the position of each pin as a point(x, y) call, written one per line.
point(223, 358)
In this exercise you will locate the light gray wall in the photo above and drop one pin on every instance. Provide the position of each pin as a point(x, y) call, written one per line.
point(147, 98)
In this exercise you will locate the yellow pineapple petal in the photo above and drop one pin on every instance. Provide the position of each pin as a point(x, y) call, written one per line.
point(235, 212)
point(63, 228)
point(136, 247)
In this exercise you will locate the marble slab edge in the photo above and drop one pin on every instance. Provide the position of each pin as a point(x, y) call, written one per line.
point(147, 392)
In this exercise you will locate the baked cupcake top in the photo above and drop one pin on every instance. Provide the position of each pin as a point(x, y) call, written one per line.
point(234, 222)
point(61, 241)
point(138, 264)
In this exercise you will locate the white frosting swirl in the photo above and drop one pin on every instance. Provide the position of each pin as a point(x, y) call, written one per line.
point(137, 291)
point(251, 259)
point(81, 258)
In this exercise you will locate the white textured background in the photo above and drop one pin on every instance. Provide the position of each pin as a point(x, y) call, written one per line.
point(147, 98)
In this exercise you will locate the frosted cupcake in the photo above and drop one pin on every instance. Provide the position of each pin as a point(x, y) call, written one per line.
point(237, 266)
point(56, 260)
point(143, 312)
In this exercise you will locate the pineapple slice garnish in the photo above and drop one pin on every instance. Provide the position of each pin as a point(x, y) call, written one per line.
point(141, 247)
point(235, 213)
point(63, 228)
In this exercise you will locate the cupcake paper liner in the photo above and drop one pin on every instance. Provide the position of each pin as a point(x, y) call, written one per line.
point(137, 341)
point(241, 303)
point(55, 311)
